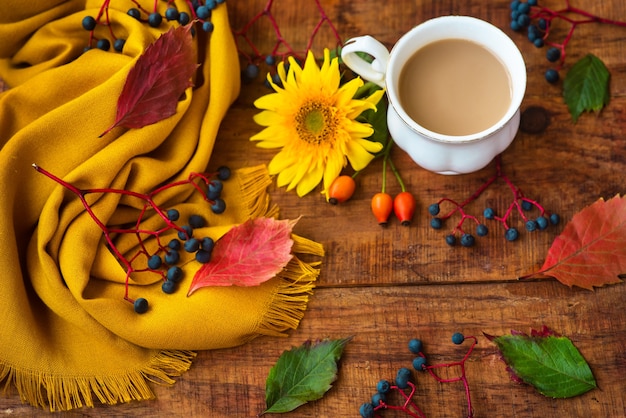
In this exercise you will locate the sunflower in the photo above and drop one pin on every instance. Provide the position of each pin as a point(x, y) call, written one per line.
point(312, 118)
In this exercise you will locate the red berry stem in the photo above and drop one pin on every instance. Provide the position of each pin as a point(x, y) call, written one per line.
point(572, 15)
point(256, 54)
point(461, 378)
point(149, 203)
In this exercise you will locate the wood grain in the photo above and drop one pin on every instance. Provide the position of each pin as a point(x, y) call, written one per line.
point(386, 285)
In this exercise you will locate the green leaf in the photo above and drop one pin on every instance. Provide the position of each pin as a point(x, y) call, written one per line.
point(552, 364)
point(586, 86)
point(302, 374)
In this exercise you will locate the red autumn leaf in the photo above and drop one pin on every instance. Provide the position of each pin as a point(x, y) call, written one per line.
point(247, 255)
point(591, 250)
point(158, 79)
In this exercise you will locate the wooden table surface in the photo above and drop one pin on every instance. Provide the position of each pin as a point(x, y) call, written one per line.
point(384, 286)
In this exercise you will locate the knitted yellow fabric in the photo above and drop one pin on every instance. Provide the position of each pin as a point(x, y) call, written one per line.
point(68, 336)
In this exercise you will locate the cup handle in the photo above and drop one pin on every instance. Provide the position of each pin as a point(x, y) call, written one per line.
point(374, 71)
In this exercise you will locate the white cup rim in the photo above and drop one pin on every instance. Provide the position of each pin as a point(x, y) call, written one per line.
point(464, 28)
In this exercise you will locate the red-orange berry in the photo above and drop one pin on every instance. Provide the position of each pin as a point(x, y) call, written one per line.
point(341, 189)
point(382, 205)
point(404, 207)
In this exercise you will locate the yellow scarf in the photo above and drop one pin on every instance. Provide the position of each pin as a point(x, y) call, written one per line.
point(68, 336)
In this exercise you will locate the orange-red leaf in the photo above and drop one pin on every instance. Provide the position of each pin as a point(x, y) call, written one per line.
point(158, 79)
point(247, 255)
point(591, 250)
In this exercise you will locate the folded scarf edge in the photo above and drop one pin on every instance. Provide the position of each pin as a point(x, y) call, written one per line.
point(63, 393)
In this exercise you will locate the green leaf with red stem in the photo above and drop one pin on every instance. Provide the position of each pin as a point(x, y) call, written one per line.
point(550, 363)
point(303, 374)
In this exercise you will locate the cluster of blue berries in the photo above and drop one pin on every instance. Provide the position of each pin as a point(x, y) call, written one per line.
point(186, 241)
point(201, 12)
point(511, 233)
point(404, 380)
point(521, 19)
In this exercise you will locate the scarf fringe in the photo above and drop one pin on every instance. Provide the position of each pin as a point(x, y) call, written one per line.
point(62, 393)
point(254, 182)
point(297, 281)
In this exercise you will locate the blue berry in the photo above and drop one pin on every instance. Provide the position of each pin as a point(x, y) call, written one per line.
point(211, 4)
point(539, 43)
point(173, 215)
point(154, 262)
point(555, 219)
point(489, 213)
point(434, 209)
point(192, 245)
point(196, 221)
point(172, 257)
point(207, 244)
point(378, 398)
point(366, 410)
point(270, 60)
point(532, 2)
point(523, 8)
point(174, 274)
point(523, 20)
point(103, 44)
point(436, 223)
point(552, 75)
point(458, 338)
point(203, 12)
point(543, 24)
point(215, 186)
point(383, 386)
point(553, 54)
point(250, 72)
point(526, 205)
point(223, 173)
point(183, 18)
point(511, 234)
point(531, 225)
point(203, 256)
point(542, 223)
point(118, 45)
point(171, 14)
point(402, 378)
point(450, 239)
point(155, 19)
point(174, 244)
point(186, 233)
point(482, 230)
point(140, 305)
point(218, 206)
point(415, 346)
point(515, 26)
point(135, 13)
point(168, 287)
point(514, 15)
point(533, 33)
point(467, 240)
point(515, 4)
point(207, 26)
point(89, 23)
point(419, 363)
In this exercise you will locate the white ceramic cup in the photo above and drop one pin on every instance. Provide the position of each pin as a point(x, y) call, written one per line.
point(444, 154)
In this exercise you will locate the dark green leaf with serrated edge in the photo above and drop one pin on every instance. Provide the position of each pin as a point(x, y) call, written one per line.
point(302, 374)
point(553, 365)
point(586, 86)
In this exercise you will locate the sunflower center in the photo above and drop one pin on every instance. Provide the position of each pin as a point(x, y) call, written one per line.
point(316, 122)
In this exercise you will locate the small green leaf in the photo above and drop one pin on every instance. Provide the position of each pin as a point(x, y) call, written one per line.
point(586, 86)
point(302, 374)
point(552, 364)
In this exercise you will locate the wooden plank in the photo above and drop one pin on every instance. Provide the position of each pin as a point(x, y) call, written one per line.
point(230, 382)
